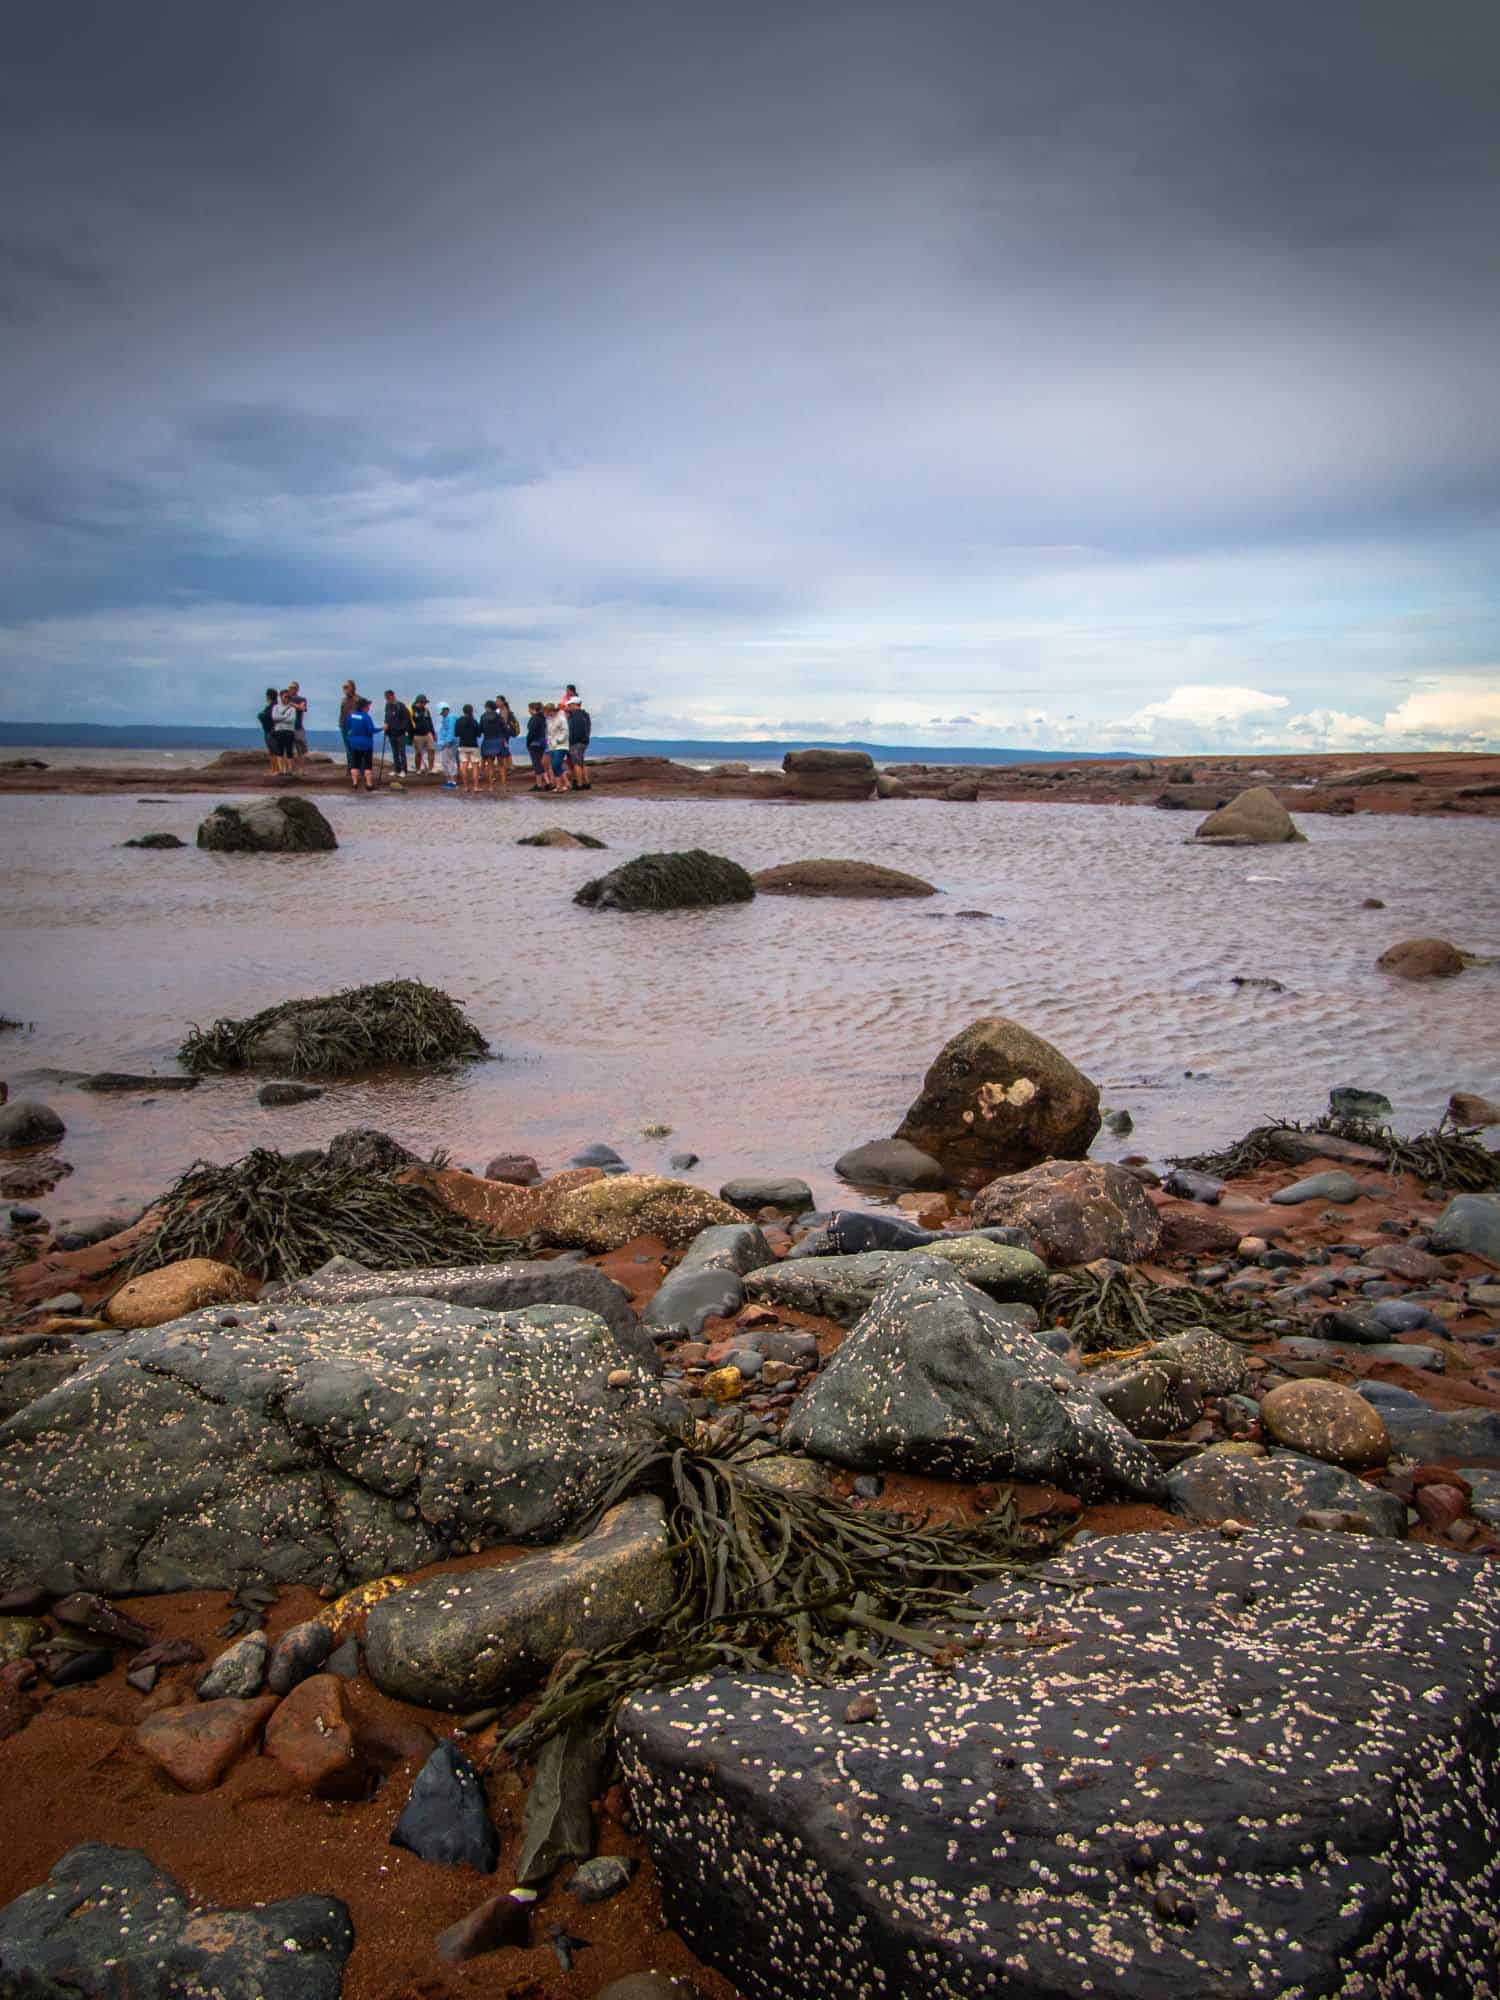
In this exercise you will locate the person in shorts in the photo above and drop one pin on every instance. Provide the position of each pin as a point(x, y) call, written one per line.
point(423, 733)
point(284, 733)
point(557, 745)
point(494, 745)
point(466, 735)
point(580, 728)
point(359, 734)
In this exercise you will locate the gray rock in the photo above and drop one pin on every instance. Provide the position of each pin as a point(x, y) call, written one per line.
point(314, 1444)
point(29, 1122)
point(273, 1094)
point(446, 1818)
point(301, 1650)
point(1206, 1768)
point(558, 1824)
point(599, 1155)
point(1119, 1122)
point(1462, 1437)
point(1349, 1101)
point(1335, 1185)
point(893, 1163)
point(841, 1288)
point(1406, 1354)
point(682, 1163)
point(1212, 1364)
point(1276, 1491)
point(108, 1922)
point(511, 1287)
point(597, 1880)
point(936, 1379)
point(751, 1193)
point(107, 1080)
point(460, 1641)
point(1188, 1186)
point(62, 1302)
point(1470, 1224)
point(1484, 1488)
point(267, 826)
point(727, 1246)
point(82, 1232)
point(685, 1299)
point(239, 1669)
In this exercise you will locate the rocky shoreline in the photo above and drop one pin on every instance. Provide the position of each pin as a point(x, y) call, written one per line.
point(1461, 782)
point(294, 1567)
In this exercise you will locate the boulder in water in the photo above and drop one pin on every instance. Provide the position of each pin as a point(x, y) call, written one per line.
point(831, 774)
point(839, 878)
point(560, 836)
point(267, 826)
point(893, 1163)
point(396, 1022)
point(29, 1122)
point(998, 1098)
point(692, 879)
point(1257, 818)
point(1422, 958)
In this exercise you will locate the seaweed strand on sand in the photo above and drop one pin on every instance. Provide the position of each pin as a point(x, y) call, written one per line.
point(1446, 1157)
point(274, 1217)
point(772, 1579)
point(395, 1021)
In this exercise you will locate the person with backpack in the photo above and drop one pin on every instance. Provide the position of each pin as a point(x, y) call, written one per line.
point(580, 728)
point(423, 732)
point(397, 731)
point(494, 745)
point(359, 734)
point(466, 735)
point(267, 726)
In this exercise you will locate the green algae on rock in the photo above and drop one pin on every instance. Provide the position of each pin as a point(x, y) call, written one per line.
point(692, 879)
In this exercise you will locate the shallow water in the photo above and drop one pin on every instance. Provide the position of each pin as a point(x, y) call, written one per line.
point(769, 1037)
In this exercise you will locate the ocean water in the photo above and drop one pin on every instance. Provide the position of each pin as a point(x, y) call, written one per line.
point(769, 1037)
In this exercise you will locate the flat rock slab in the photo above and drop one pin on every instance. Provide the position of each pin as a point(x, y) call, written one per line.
point(1276, 1491)
point(527, 1281)
point(315, 1444)
point(460, 1641)
point(841, 1288)
point(1462, 1437)
point(108, 1922)
point(1250, 1769)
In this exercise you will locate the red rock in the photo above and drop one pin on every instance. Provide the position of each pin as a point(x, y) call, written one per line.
point(498, 1922)
point(1404, 1260)
point(1422, 958)
point(1440, 1506)
point(310, 1738)
point(1186, 1231)
point(196, 1743)
point(1074, 1211)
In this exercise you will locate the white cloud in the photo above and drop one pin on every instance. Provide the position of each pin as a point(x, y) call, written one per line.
point(1208, 707)
point(1450, 711)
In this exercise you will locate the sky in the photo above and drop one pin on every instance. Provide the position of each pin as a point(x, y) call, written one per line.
point(1089, 374)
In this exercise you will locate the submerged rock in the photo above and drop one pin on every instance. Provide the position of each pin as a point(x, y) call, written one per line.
point(839, 878)
point(998, 1098)
point(460, 1641)
point(108, 1922)
point(935, 1379)
point(1257, 818)
point(29, 1122)
point(268, 826)
point(689, 880)
point(314, 1444)
point(894, 1163)
point(1422, 958)
point(1145, 1784)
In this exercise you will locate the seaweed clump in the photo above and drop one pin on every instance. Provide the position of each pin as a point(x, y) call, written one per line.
point(277, 1217)
point(771, 1579)
point(692, 879)
point(1108, 1310)
point(396, 1021)
point(1446, 1157)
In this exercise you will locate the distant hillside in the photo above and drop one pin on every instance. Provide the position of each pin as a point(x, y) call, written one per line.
point(205, 736)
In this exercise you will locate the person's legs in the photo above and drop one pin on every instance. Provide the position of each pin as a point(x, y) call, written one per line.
point(398, 756)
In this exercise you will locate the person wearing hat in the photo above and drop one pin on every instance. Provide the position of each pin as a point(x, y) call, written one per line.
point(447, 747)
point(423, 732)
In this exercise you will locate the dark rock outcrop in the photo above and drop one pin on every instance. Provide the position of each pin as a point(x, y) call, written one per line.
point(693, 879)
point(1205, 1768)
point(267, 826)
point(314, 1444)
point(831, 774)
point(893, 1163)
point(108, 1922)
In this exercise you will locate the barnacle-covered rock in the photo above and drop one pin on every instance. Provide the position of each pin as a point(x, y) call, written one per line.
point(315, 1444)
point(1242, 1769)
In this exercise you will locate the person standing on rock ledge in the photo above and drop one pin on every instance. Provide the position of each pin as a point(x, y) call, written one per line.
point(267, 726)
point(397, 731)
point(359, 734)
point(284, 733)
point(423, 732)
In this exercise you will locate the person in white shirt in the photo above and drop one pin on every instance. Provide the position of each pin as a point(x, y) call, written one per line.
point(557, 744)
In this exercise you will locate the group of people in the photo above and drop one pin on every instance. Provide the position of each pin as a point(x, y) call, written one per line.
point(472, 748)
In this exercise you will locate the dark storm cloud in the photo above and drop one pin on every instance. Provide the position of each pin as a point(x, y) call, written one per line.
point(951, 338)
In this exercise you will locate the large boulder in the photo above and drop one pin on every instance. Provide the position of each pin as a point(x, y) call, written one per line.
point(938, 1380)
point(460, 1641)
point(1326, 1420)
point(108, 1922)
point(689, 880)
point(175, 1290)
point(29, 1122)
point(866, 879)
point(1176, 1767)
point(1469, 1226)
point(391, 1024)
point(831, 774)
point(267, 826)
point(999, 1098)
point(608, 1212)
point(315, 1444)
point(1257, 818)
point(507, 1287)
point(1422, 958)
point(1277, 1491)
point(1074, 1211)
point(842, 1287)
point(892, 1163)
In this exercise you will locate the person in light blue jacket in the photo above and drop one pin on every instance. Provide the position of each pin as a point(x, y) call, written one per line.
point(447, 747)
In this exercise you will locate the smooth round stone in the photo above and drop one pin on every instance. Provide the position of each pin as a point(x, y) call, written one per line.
point(1326, 1421)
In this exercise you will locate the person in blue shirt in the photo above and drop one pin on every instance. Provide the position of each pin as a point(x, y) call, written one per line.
point(360, 735)
point(447, 748)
